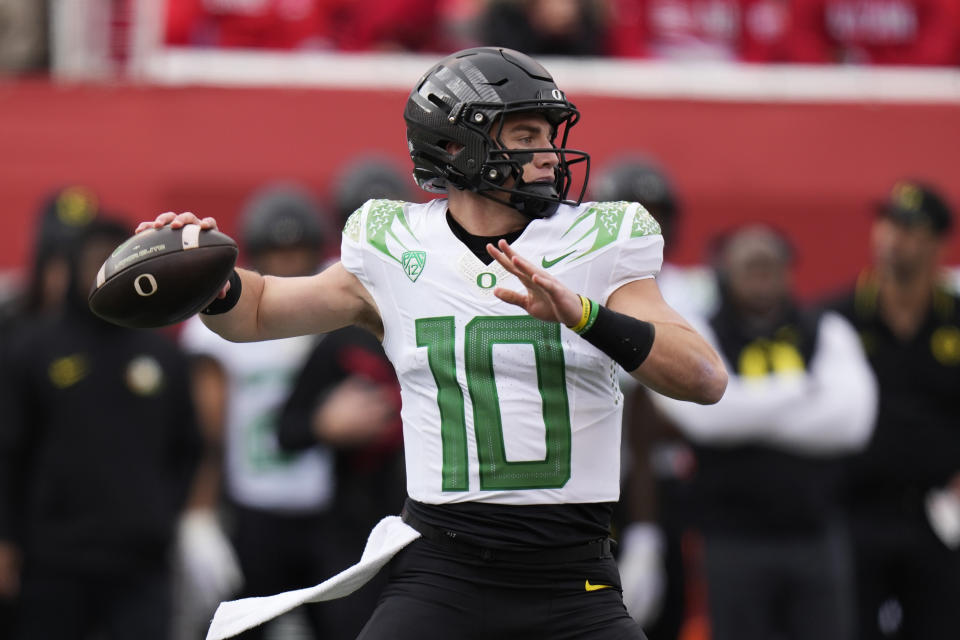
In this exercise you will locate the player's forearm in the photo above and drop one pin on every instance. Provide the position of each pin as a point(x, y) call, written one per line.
point(683, 365)
point(270, 307)
point(240, 324)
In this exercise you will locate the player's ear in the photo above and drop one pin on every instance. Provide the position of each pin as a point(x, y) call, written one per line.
point(453, 148)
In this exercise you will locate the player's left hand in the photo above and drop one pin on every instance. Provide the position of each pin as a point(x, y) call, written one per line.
point(546, 297)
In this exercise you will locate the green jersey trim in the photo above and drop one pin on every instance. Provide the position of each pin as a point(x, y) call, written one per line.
point(607, 218)
point(385, 219)
point(351, 228)
point(644, 224)
point(599, 226)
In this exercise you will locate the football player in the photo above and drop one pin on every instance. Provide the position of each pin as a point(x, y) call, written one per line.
point(505, 308)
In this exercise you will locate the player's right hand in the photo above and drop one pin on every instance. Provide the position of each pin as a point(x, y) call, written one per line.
point(177, 220)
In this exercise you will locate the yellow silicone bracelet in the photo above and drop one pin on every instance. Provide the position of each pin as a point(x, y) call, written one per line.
point(586, 306)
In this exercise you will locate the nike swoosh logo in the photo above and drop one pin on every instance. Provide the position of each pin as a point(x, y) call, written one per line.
point(546, 264)
point(595, 587)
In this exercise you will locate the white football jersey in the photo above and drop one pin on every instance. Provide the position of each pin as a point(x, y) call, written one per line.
point(498, 406)
point(260, 375)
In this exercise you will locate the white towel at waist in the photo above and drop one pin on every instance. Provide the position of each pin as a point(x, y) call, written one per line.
point(389, 536)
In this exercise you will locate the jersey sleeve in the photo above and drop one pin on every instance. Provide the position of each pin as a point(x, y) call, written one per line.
point(351, 243)
point(639, 255)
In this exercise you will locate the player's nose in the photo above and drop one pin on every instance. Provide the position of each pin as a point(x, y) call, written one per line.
point(546, 159)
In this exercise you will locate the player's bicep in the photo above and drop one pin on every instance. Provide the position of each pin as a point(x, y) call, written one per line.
point(642, 300)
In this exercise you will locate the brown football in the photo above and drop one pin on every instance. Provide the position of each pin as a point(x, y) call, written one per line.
point(162, 276)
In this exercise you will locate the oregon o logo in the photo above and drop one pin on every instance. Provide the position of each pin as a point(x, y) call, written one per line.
point(486, 280)
point(151, 285)
point(557, 94)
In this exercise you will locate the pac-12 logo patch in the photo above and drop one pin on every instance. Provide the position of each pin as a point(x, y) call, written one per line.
point(412, 262)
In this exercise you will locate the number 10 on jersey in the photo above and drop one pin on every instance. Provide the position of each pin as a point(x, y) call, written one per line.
point(497, 473)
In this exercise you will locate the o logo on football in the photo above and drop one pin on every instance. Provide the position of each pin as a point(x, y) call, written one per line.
point(151, 285)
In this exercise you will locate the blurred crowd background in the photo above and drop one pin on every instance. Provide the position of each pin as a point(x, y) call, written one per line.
point(913, 32)
point(800, 155)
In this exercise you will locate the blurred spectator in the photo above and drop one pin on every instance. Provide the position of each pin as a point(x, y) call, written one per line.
point(544, 27)
point(23, 35)
point(98, 447)
point(749, 30)
point(801, 394)
point(909, 322)
point(60, 219)
point(654, 509)
point(64, 214)
point(922, 32)
point(349, 25)
point(347, 398)
point(267, 24)
point(637, 178)
point(400, 25)
point(278, 501)
point(367, 177)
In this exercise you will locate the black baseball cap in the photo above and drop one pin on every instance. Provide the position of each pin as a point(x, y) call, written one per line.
point(915, 203)
point(63, 216)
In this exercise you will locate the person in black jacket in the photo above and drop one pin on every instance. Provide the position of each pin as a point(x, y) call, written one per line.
point(801, 394)
point(347, 399)
point(98, 446)
point(64, 213)
point(909, 323)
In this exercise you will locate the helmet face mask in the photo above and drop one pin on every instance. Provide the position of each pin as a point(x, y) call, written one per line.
point(465, 100)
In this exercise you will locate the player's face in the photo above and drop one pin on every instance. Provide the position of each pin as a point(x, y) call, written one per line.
point(904, 251)
point(530, 131)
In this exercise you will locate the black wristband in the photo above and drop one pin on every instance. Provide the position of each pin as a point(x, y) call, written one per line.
point(624, 338)
point(229, 301)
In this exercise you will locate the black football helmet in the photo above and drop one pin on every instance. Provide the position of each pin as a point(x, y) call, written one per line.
point(463, 99)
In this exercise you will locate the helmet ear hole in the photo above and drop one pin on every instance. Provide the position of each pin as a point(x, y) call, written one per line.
point(437, 100)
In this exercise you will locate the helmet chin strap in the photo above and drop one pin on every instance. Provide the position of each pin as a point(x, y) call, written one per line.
point(536, 199)
point(532, 199)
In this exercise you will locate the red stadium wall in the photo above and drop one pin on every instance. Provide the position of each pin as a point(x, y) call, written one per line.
point(811, 169)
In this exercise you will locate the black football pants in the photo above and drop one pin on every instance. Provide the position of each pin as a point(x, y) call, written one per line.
point(437, 594)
